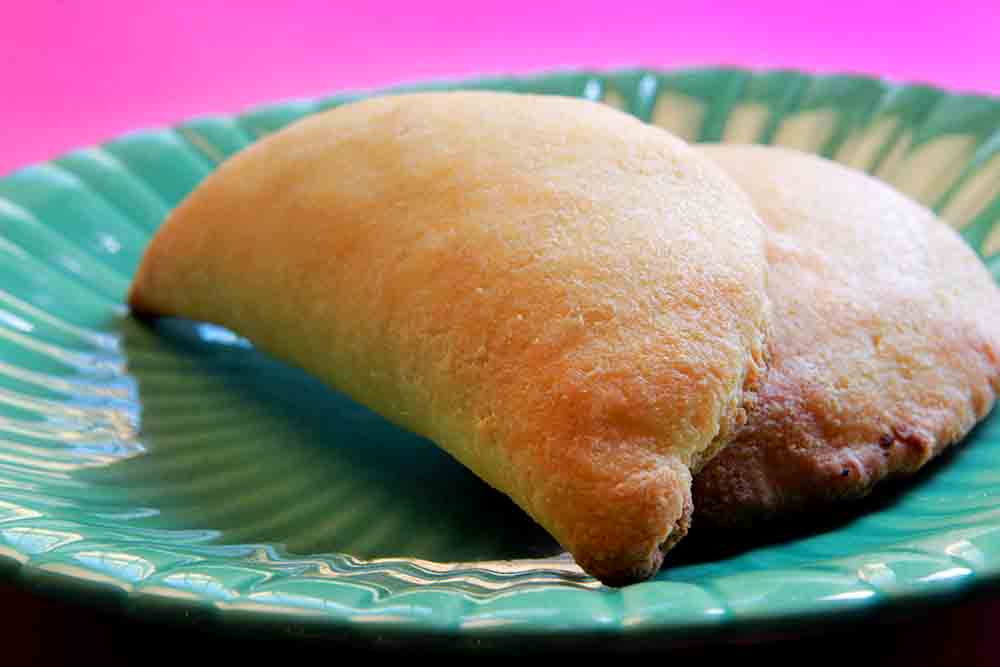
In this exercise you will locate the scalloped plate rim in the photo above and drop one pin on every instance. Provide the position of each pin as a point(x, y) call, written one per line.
point(665, 629)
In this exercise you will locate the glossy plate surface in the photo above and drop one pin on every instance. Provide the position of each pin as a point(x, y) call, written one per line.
point(175, 469)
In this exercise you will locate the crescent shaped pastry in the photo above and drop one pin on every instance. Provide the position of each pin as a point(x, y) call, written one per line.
point(570, 302)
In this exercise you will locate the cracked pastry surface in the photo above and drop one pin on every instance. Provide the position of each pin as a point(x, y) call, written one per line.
point(884, 346)
point(570, 302)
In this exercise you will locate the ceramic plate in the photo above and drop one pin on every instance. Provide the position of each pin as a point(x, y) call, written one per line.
point(175, 471)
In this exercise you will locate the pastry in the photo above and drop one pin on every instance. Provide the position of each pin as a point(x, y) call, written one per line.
point(570, 302)
point(884, 345)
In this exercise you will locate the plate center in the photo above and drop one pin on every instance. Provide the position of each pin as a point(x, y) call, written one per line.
point(239, 443)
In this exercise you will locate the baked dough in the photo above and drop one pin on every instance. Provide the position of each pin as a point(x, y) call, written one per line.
point(570, 302)
point(884, 348)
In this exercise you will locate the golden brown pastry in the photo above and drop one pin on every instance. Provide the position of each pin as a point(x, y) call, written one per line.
point(570, 302)
point(884, 347)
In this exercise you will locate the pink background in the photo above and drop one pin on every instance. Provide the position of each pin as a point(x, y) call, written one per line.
point(74, 73)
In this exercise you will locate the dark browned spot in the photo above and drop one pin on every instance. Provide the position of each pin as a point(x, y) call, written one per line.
point(681, 528)
point(912, 439)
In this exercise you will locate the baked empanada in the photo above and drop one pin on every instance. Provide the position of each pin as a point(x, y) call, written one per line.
point(885, 345)
point(570, 302)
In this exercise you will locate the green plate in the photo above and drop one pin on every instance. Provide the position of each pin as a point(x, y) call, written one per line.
point(175, 472)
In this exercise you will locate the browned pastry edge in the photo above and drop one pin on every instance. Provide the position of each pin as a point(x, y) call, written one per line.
point(876, 369)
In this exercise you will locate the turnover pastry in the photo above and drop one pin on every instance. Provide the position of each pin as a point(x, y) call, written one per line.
point(570, 302)
point(884, 346)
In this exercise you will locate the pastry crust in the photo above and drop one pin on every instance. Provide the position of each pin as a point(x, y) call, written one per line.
point(568, 301)
point(884, 346)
